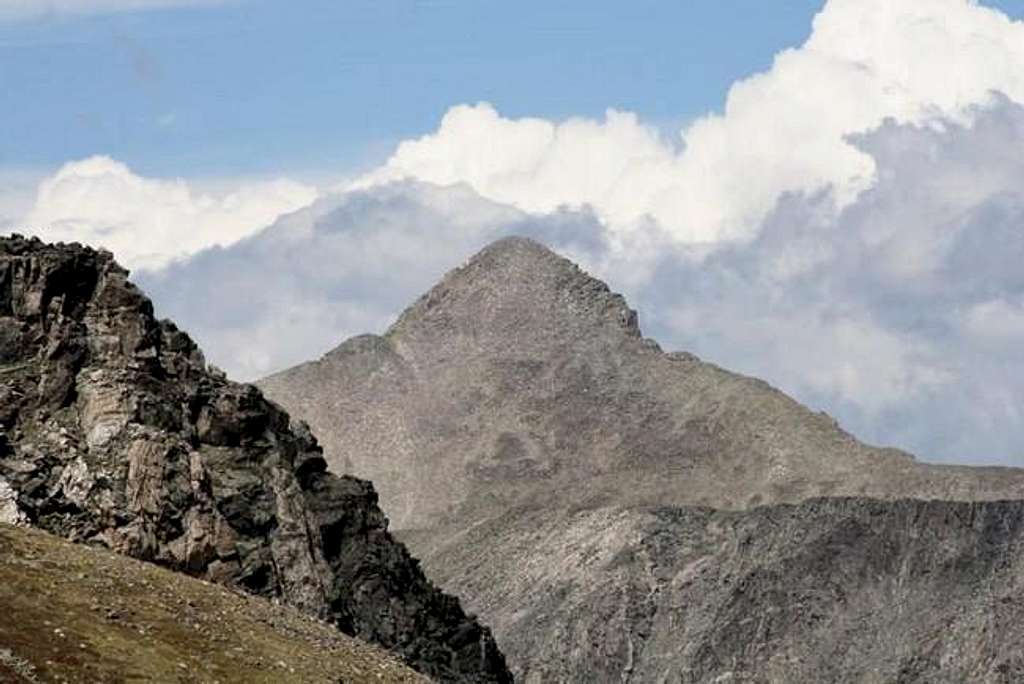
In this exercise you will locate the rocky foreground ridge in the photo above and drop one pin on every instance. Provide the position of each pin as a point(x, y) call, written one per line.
point(114, 432)
point(618, 513)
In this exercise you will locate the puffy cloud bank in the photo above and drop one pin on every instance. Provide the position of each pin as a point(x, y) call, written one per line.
point(901, 312)
point(150, 222)
point(850, 227)
point(781, 131)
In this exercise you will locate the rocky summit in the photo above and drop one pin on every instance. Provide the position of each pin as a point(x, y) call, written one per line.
point(115, 432)
point(619, 513)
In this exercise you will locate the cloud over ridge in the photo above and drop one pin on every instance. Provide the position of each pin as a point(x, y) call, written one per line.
point(902, 313)
point(783, 130)
point(150, 222)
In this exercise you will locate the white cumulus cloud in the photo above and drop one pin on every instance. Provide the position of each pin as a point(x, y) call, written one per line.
point(783, 130)
point(147, 222)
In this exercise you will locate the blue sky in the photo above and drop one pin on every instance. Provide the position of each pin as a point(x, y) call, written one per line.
point(320, 86)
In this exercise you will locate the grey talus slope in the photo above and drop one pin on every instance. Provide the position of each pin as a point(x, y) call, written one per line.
point(622, 514)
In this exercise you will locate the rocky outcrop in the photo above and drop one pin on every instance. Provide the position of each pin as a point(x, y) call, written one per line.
point(113, 431)
point(618, 513)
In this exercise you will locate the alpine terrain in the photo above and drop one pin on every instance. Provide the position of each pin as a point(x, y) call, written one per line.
point(115, 433)
point(74, 613)
point(618, 513)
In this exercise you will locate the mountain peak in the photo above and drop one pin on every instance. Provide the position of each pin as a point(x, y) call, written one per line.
point(519, 244)
point(519, 374)
point(603, 503)
point(517, 288)
point(519, 261)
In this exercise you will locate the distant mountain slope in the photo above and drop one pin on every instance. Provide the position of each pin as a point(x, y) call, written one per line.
point(89, 616)
point(113, 431)
point(519, 372)
point(829, 590)
point(521, 431)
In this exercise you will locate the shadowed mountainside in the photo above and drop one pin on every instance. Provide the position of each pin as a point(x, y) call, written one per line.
point(539, 453)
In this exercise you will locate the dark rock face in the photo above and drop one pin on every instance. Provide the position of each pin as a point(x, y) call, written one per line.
point(617, 513)
point(114, 432)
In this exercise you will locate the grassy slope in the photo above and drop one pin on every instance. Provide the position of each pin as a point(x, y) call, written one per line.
point(69, 613)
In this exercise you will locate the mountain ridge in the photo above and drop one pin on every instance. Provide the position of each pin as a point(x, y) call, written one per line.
point(524, 262)
point(502, 318)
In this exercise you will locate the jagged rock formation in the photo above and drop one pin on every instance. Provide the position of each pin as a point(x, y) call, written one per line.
point(83, 615)
point(617, 512)
point(114, 432)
